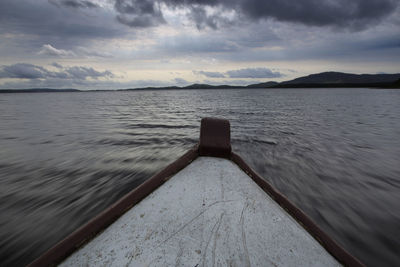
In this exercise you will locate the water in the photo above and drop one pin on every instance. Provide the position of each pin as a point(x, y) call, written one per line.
point(64, 157)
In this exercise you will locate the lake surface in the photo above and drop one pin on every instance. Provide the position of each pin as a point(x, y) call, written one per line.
point(64, 157)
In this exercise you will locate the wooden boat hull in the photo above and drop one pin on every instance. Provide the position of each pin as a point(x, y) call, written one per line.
point(210, 210)
point(210, 213)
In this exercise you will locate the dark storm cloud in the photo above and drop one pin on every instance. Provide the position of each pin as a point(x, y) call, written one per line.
point(355, 14)
point(347, 13)
point(147, 13)
point(199, 15)
point(63, 27)
point(139, 13)
point(74, 3)
point(30, 71)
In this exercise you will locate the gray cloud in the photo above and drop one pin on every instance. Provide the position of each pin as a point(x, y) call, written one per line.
point(66, 29)
point(30, 71)
point(210, 74)
point(354, 14)
point(199, 15)
point(74, 3)
point(139, 13)
point(49, 50)
point(202, 20)
point(243, 73)
point(43, 23)
point(180, 81)
point(229, 82)
point(85, 52)
point(82, 73)
point(245, 31)
point(197, 44)
point(55, 64)
point(254, 73)
point(342, 13)
point(23, 71)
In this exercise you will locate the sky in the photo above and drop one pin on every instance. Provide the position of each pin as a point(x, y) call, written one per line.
point(115, 44)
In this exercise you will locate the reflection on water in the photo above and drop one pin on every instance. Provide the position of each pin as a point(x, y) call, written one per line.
point(335, 153)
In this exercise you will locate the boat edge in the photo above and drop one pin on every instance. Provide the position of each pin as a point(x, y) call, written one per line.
point(82, 235)
point(330, 245)
point(88, 231)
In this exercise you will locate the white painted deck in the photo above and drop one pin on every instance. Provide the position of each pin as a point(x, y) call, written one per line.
point(210, 213)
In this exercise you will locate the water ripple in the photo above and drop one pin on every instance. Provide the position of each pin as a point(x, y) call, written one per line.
point(66, 157)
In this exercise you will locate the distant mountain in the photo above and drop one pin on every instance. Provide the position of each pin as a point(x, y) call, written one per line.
point(192, 86)
point(38, 90)
point(396, 85)
point(207, 86)
point(262, 85)
point(150, 88)
point(319, 80)
point(344, 78)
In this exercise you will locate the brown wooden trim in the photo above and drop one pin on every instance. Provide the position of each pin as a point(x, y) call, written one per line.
point(215, 138)
point(85, 233)
point(328, 243)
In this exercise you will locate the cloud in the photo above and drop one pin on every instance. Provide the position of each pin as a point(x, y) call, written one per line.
point(52, 24)
point(82, 73)
point(74, 3)
point(85, 52)
point(228, 82)
point(22, 71)
point(210, 74)
point(253, 73)
point(49, 50)
point(238, 27)
point(354, 14)
point(196, 44)
point(242, 73)
point(30, 71)
point(180, 81)
point(206, 19)
point(139, 13)
point(341, 13)
point(231, 33)
point(144, 83)
point(199, 15)
point(55, 64)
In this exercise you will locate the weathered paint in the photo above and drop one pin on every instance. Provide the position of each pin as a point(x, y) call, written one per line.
point(210, 213)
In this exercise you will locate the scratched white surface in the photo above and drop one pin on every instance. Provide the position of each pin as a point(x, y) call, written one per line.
point(210, 213)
